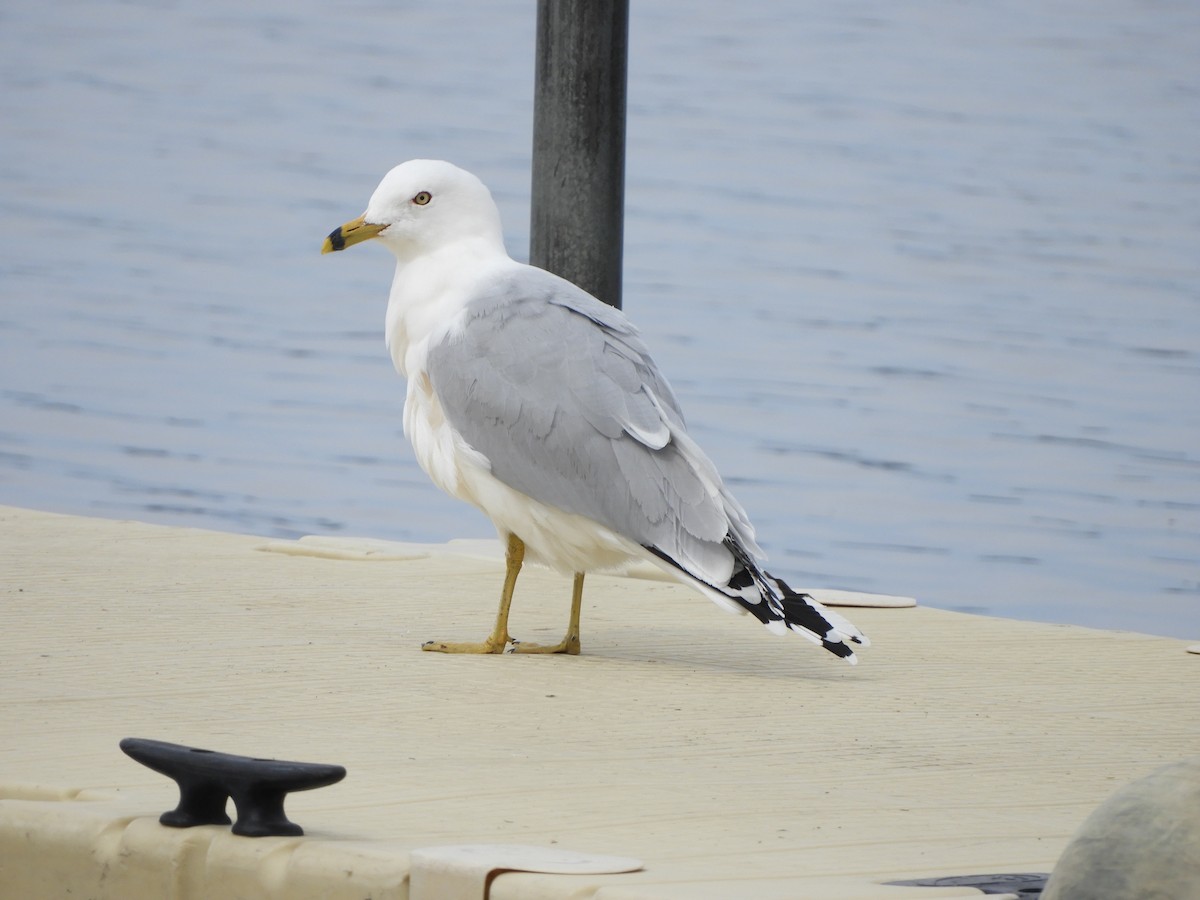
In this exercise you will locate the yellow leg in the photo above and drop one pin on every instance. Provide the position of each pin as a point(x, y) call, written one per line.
point(514, 555)
point(570, 642)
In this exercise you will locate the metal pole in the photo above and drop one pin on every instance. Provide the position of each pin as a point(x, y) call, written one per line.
point(578, 191)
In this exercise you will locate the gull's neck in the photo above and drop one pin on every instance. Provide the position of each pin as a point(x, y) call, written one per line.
point(429, 290)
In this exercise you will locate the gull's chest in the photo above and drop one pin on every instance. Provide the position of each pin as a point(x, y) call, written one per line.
point(422, 310)
point(440, 450)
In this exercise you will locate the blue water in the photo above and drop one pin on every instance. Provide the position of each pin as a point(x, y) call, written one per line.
point(926, 277)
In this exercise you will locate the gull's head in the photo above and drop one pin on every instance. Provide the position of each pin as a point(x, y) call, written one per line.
point(420, 206)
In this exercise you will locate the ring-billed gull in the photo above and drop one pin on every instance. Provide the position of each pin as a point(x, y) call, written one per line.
point(537, 403)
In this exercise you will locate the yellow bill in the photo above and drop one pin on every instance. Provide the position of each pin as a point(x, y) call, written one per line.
point(353, 232)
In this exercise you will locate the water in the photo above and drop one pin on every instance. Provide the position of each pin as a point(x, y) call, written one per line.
point(926, 278)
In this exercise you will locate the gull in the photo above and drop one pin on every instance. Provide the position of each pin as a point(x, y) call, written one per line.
point(540, 405)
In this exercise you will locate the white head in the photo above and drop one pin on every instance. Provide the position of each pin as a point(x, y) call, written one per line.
point(421, 206)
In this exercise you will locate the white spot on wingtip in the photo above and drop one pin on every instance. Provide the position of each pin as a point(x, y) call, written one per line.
point(856, 638)
point(777, 626)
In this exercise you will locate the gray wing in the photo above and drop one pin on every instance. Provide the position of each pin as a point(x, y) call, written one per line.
point(560, 394)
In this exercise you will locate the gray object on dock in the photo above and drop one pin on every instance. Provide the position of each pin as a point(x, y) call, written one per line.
point(1142, 843)
point(577, 217)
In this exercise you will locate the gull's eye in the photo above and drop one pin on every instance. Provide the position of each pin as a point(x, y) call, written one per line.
point(422, 198)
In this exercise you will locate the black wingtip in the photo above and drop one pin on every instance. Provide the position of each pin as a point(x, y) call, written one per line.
point(841, 650)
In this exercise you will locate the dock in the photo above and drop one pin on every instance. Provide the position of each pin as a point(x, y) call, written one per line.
point(709, 756)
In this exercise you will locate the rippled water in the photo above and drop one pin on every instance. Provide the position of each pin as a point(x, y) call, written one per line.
point(926, 277)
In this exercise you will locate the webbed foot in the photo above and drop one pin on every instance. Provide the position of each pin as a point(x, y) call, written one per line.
point(491, 645)
point(568, 645)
